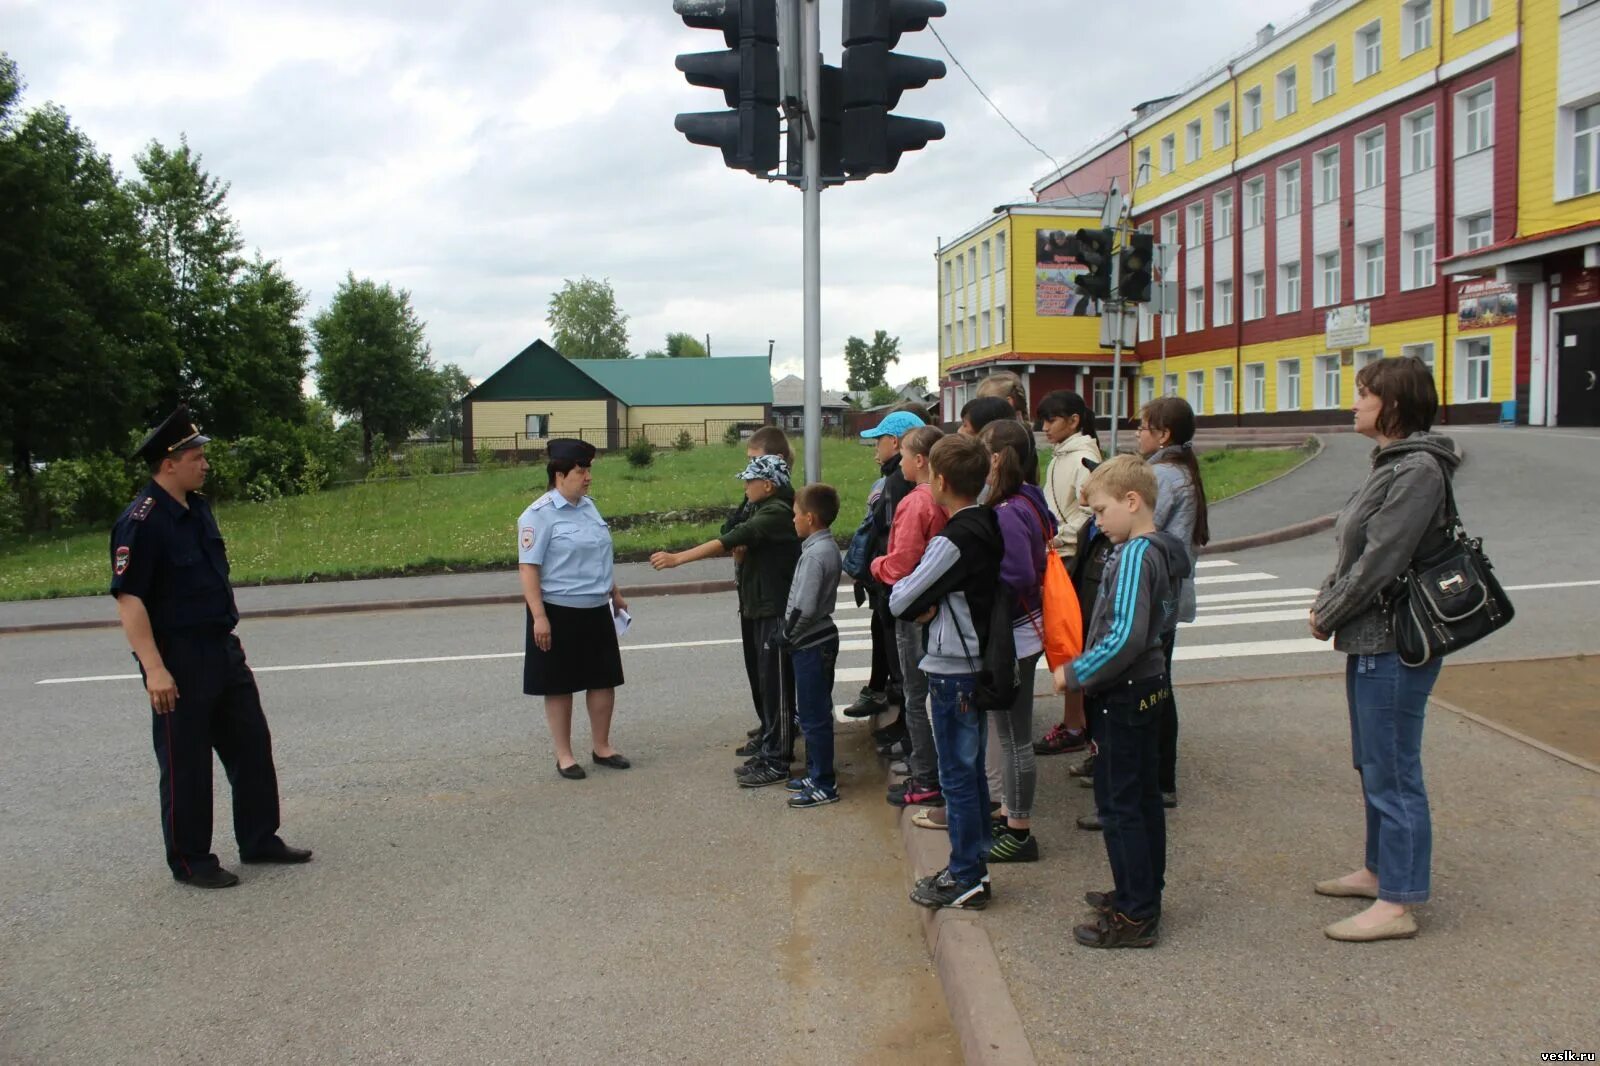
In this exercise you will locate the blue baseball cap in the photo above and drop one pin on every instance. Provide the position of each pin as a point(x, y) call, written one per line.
point(897, 424)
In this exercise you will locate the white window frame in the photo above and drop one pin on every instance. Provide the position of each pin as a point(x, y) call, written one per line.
point(1103, 397)
point(1471, 12)
point(1370, 258)
point(1477, 231)
point(1289, 294)
point(1255, 388)
point(1194, 141)
point(1583, 169)
point(1420, 127)
point(1142, 169)
point(1170, 386)
point(1474, 369)
point(1327, 175)
point(1250, 117)
point(1222, 125)
point(1373, 145)
point(1222, 390)
point(1195, 224)
point(1000, 324)
point(1326, 374)
point(1417, 33)
point(1422, 278)
point(1287, 94)
point(529, 422)
point(1369, 50)
point(1169, 153)
point(1423, 351)
point(1325, 73)
point(1222, 303)
point(1223, 217)
point(1196, 307)
point(988, 329)
point(1329, 272)
point(1169, 228)
point(1289, 384)
point(1256, 302)
point(1255, 202)
point(972, 327)
point(1147, 390)
point(1475, 119)
point(1289, 190)
point(1366, 356)
point(1195, 392)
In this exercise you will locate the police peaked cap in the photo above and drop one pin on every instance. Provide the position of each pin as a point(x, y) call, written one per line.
point(177, 434)
point(571, 450)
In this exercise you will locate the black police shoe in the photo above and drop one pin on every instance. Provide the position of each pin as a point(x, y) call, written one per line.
point(218, 878)
point(283, 853)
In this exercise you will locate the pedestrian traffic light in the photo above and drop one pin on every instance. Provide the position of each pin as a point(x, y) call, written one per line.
point(1134, 267)
point(827, 126)
point(747, 74)
point(874, 77)
point(1094, 252)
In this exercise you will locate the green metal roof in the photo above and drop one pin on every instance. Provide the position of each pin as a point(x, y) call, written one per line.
point(538, 372)
point(683, 382)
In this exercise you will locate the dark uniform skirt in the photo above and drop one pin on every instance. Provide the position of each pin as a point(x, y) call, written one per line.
point(583, 652)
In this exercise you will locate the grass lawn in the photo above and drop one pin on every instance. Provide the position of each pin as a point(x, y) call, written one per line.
point(467, 521)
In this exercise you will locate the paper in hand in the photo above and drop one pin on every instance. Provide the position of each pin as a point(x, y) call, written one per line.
point(621, 619)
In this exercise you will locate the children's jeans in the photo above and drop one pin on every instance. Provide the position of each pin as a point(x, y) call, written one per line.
point(813, 686)
point(1127, 724)
point(960, 731)
point(1387, 703)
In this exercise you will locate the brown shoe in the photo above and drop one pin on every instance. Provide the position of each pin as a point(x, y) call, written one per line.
point(1117, 930)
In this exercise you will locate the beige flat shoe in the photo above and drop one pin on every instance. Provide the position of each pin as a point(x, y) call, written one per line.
point(924, 818)
point(1401, 928)
point(1336, 888)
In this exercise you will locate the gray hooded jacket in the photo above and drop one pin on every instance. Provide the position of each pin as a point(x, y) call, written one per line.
point(1378, 532)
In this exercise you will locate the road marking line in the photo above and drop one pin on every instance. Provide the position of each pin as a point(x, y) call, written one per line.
point(1256, 605)
point(1250, 618)
point(1553, 585)
point(1210, 564)
point(1257, 594)
point(853, 623)
point(1234, 579)
point(1202, 652)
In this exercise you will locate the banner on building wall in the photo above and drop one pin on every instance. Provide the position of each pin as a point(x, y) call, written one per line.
point(1056, 263)
point(1484, 304)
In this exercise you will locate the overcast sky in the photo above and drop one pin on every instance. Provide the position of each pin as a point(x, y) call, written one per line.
point(477, 153)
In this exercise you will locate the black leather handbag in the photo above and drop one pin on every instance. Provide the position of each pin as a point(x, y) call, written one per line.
point(1448, 597)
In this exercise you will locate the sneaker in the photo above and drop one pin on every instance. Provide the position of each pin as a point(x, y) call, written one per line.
point(1091, 822)
point(1061, 741)
point(1010, 848)
point(917, 794)
point(751, 747)
point(1117, 930)
point(749, 764)
point(867, 704)
point(1169, 799)
point(1101, 901)
point(763, 775)
point(798, 784)
point(942, 890)
point(816, 796)
point(753, 732)
point(1083, 769)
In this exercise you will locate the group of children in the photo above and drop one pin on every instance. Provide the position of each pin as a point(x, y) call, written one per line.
point(951, 556)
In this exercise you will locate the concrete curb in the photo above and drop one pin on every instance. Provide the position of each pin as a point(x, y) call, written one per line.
point(975, 992)
point(1271, 536)
point(1316, 453)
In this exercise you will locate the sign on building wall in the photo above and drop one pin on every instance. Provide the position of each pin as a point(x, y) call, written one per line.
point(1348, 327)
point(1484, 304)
point(1055, 264)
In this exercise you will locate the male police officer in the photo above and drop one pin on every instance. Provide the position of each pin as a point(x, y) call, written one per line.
point(169, 573)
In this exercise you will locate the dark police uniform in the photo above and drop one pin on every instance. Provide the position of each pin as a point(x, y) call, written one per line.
point(170, 554)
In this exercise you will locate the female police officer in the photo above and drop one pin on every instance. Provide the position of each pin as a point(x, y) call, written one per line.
point(564, 549)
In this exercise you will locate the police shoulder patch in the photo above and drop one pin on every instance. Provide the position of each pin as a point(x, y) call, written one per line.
point(119, 563)
point(543, 501)
point(141, 510)
point(527, 537)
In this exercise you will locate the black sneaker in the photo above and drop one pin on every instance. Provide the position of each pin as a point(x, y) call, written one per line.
point(816, 796)
point(1117, 930)
point(1083, 769)
point(1011, 848)
point(749, 764)
point(798, 784)
point(892, 733)
point(750, 747)
point(763, 775)
point(942, 890)
point(755, 732)
point(1091, 822)
point(217, 878)
point(1101, 901)
point(916, 794)
point(867, 704)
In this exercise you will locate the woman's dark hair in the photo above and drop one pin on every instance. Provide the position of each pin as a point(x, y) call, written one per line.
point(1174, 415)
point(1405, 385)
point(1064, 403)
point(1007, 438)
point(986, 409)
point(560, 467)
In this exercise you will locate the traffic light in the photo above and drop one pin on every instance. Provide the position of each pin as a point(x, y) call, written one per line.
point(747, 74)
point(1094, 252)
point(828, 129)
point(1134, 267)
point(874, 77)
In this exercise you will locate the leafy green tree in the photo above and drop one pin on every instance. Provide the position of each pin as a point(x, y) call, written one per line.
point(585, 321)
point(683, 346)
point(879, 395)
point(75, 340)
point(919, 383)
point(868, 364)
point(454, 385)
point(269, 351)
point(372, 361)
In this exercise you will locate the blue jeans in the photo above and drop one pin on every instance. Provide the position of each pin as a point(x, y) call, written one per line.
point(813, 686)
point(959, 734)
point(1387, 702)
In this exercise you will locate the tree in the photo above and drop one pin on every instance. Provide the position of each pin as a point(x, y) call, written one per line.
point(585, 322)
point(372, 361)
point(879, 395)
point(268, 350)
point(869, 363)
point(454, 385)
point(683, 346)
point(920, 384)
point(75, 340)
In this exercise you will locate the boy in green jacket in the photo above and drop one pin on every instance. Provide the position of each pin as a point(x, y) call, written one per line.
point(771, 550)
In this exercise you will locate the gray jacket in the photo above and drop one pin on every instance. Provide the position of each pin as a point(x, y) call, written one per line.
point(1177, 511)
point(1378, 532)
point(814, 592)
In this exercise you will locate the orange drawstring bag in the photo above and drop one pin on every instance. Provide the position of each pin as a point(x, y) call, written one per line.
point(1062, 634)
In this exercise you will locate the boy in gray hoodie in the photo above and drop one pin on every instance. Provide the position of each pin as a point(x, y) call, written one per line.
point(811, 640)
point(1123, 674)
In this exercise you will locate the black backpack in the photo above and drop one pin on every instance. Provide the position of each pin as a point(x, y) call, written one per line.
point(1094, 553)
point(998, 677)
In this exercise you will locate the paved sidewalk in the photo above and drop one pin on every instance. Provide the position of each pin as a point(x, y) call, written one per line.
point(1319, 487)
point(1503, 968)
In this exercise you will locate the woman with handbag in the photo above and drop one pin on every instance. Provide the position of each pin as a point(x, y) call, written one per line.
point(1396, 515)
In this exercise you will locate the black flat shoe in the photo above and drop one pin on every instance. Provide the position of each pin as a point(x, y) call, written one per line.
point(283, 853)
point(571, 773)
point(614, 760)
point(217, 878)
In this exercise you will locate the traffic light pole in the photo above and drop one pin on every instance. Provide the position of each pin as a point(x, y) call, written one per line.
point(1115, 306)
point(811, 171)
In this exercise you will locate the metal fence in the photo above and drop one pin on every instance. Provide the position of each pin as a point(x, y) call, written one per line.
point(521, 447)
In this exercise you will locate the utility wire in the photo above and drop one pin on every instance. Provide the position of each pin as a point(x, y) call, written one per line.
point(990, 102)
